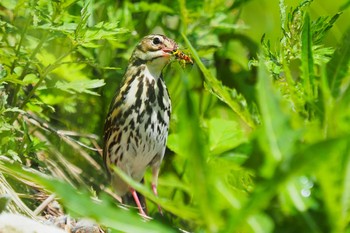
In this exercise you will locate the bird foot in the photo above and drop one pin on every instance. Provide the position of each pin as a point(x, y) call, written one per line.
point(138, 203)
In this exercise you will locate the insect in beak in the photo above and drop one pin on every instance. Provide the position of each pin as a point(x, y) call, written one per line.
point(182, 57)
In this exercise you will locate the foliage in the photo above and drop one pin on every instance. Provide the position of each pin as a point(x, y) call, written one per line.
point(259, 137)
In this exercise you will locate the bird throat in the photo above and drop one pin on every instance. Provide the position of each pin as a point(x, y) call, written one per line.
point(152, 67)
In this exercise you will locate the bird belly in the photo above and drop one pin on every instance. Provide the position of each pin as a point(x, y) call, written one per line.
point(144, 151)
point(142, 146)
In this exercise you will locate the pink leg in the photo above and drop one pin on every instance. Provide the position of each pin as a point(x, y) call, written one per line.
point(137, 201)
point(154, 188)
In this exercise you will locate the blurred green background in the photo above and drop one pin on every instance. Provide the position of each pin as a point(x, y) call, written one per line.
point(259, 136)
point(263, 17)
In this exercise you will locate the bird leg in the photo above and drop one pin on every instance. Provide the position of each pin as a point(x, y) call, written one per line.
point(137, 201)
point(154, 188)
point(155, 172)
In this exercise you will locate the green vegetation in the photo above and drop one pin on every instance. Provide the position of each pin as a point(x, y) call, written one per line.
point(259, 138)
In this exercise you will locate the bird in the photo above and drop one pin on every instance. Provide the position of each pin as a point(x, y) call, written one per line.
point(137, 124)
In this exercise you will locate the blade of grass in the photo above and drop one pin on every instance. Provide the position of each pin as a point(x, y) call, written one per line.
point(194, 147)
point(308, 75)
point(80, 203)
point(18, 205)
point(277, 137)
point(181, 211)
point(217, 89)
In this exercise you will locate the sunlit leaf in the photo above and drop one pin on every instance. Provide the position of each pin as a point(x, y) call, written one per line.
point(81, 86)
point(224, 135)
point(154, 7)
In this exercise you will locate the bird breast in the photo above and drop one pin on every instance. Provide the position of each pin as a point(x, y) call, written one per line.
point(145, 110)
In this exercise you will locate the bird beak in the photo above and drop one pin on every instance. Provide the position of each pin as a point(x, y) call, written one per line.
point(169, 46)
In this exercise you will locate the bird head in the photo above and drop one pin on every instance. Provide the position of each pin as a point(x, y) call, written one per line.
point(155, 50)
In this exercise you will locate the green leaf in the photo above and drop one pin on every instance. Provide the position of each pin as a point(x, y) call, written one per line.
point(80, 86)
point(334, 186)
point(224, 135)
point(30, 79)
point(193, 145)
point(321, 26)
point(12, 78)
point(238, 105)
point(173, 143)
point(102, 30)
point(307, 67)
point(65, 28)
point(277, 138)
point(338, 66)
point(153, 7)
point(9, 4)
point(88, 36)
point(260, 223)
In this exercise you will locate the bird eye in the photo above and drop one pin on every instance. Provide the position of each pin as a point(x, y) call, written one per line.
point(156, 40)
